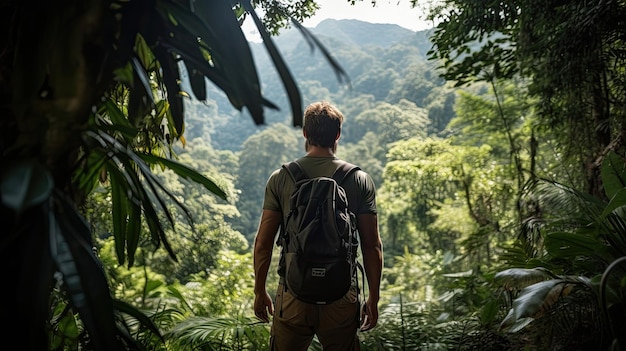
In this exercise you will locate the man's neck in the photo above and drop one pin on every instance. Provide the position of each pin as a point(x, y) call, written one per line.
point(318, 151)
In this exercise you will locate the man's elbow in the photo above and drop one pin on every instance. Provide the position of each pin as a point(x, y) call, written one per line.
point(262, 247)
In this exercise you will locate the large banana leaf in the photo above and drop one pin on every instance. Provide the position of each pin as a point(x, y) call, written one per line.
point(537, 299)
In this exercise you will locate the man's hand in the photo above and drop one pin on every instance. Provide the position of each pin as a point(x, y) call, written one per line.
point(263, 245)
point(262, 306)
point(369, 315)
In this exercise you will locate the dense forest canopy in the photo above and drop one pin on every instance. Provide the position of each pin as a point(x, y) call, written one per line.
point(137, 138)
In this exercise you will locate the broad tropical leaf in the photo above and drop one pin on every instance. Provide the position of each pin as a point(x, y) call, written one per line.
point(25, 184)
point(516, 278)
point(537, 298)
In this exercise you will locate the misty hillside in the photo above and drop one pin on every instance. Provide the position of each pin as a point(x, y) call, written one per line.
point(359, 33)
point(383, 62)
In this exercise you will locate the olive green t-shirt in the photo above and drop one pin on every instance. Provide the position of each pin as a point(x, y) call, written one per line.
point(359, 187)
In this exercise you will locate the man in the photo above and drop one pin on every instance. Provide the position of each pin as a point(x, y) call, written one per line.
point(295, 322)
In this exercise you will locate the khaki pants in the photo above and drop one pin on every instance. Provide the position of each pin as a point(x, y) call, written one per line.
point(296, 322)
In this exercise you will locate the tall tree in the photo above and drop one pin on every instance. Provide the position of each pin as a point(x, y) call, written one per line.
point(571, 50)
point(261, 154)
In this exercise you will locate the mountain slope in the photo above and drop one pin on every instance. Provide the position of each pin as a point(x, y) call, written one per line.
point(384, 62)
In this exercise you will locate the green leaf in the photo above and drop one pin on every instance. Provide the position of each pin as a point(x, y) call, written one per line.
point(152, 285)
point(521, 277)
point(125, 164)
point(119, 212)
point(613, 173)
point(25, 184)
point(572, 245)
point(617, 200)
point(489, 311)
point(197, 81)
point(141, 195)
point(145, 321)
point(87, 177)
point(219, 18)
point(171, 79)
point(315, 43)
point(126, 130)
point(529, 302)
point(295, 99)
point(133, 233)
point(143, 76)
point(83, 276)
point(185, 172)
point(225, 331)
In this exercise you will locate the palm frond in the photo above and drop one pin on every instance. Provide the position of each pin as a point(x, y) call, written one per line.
point(136, 190)
point(220, 333)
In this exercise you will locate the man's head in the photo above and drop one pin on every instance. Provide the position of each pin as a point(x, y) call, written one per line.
point(322, 124)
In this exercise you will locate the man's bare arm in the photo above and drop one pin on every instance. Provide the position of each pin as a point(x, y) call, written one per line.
point(263, 246)
point(372, 250)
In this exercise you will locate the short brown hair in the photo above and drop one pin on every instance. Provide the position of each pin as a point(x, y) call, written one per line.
point(322, 123)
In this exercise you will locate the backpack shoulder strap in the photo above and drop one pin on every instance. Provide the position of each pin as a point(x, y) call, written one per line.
point(295, 171)
point(343, 171)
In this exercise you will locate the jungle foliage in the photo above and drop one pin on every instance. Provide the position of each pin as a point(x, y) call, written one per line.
point(135, 156)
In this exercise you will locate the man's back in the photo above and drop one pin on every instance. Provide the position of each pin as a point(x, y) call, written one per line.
point(360, 188)
point(319, 238)
point(295, 322)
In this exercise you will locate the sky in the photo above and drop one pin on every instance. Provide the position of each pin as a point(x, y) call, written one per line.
point(386, 11)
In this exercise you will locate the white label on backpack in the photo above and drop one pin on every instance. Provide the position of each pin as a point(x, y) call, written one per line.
point(318, 272)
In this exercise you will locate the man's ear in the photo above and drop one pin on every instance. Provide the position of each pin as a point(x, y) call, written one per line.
point(338, 135)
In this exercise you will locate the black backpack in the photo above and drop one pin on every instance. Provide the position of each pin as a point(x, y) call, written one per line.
point(319, 237)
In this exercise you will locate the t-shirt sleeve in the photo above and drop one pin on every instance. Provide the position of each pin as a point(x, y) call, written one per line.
point(271, 199)
point(367, 190)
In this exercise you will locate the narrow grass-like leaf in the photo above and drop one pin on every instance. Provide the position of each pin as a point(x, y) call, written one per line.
point(152, 219)
point(118, 212)
point(143, 77)
point(293, 93)
point(197, 82)
point(127, 131)
point(115, 114)
point(134, 228)
point(129, 161)
point(171, 79)
point(142, 318)
point(215, 24)
point(221, 332)
point(185, 172)
point(314, 42)
point(89, 175)
point(82, 273)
